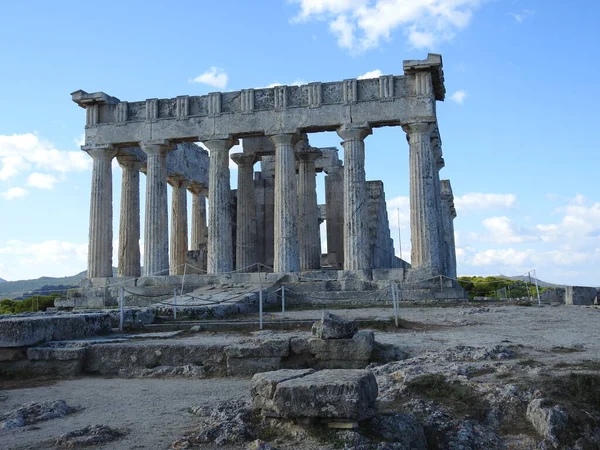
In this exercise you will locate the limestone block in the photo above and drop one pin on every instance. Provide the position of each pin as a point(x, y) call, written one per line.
point(548, 421)
point(55, 354)
point(12, 354)
point(268, 348)
point(333, 326)
point(580, 295)
point(358, 348)
point(26, 331)
point(263, 385)
point(239, 367)
point(331, 394)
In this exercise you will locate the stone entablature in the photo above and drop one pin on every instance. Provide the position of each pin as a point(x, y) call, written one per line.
point(384, 101)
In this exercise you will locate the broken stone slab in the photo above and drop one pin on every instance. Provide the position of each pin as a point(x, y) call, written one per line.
point(332, 326)
point(327, 394)
point(31, 413)
point(263, 385)
point(267, 348)
point(56, 353)
point(358, 348)
point(90, 435)
point(243, 367)
point(27, 331)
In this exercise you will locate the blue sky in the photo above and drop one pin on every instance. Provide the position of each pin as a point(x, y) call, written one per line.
point(518, 123)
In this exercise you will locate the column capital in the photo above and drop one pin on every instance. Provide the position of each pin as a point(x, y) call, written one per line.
point(101, 151)
point(283, 139)
point(353, 132)
point(424, 128)
point(197, 188)
point(309, 155)
point(157, 146)
point(243, 159)
point(216, 145)
point(178, 181)
point(127, 160)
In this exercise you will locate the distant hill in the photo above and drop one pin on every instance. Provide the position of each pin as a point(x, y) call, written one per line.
point(2, 280)
point(12, 289)
point(532, 279)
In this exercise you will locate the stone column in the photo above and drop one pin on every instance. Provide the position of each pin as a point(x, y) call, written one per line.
point(129, 221)
point(423, 212)
point(156, 229)
point(287, 257)
point(439, 164)
point(334, 212)
point(101, 234)
point(356, 231)
point(179, 232)
point(245, 251)
point(448, 215)
point(309, 237)
point(199, 231)
point(220, 249)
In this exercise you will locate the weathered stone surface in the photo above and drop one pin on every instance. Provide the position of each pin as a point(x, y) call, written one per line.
point(129, 222)
point(178, 245)
point(308, 222)
point(548, 421)
point(332, 394)
point(245, 250)
point(358, 348)
point(401, 429)
point(34, 412)
point(580, 295)
point(26, 331)
point(243, 367)
point(12, 354)
point(332, 326)
point(90, 435)
point(264, 384)
point(267, 348)
point(55, 353)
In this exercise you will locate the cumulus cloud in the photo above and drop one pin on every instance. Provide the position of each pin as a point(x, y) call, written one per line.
point(214, 77)
point(459, 97)
point(296, 82)
point(473, 201)
point(520, 17)
point(502, 230)
point(13, 193)
point(41, 180)
point(23, 152)
point(359, 25)
point(372, 74)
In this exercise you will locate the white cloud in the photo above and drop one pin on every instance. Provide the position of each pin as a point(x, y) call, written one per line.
point(473, 201)
point(459, 96)
point(13, 193)
point(502, 230)
point(22, 152)
point(296, 82)
point(503, 257)
point(41, 180)
point(362, 24)
point(579, 224)
point(372, 74)
point(523, 15)
point(214, 77)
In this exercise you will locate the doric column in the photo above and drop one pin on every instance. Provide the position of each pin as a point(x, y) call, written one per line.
point(245, 251)
point(287, 258)
point(129, 221)
point(156, 229)
point(356, 231)
point(199, 231)
point(309, 236)
point(334, 212)
point(448, 216)
point(439, 163)
point(220, 249)
point(179, 234)
point(101, 235)
point(423, 212)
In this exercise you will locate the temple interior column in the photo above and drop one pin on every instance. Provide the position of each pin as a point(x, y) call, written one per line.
point(179, 229)
point(334, 213)
point(448, 216)
point(245, 251)
point(356, 235)
point(156, 230)
point(439, 164)
point(129, 220)
point(423, 206)
point(309, 236)
point(100, 231)
point(287, 258)
point(220, 249)
point(199, 230)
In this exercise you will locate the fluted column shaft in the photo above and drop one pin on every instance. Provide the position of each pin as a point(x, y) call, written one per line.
point(309, 237)
point(179, 229)
point(199, 231)
point(245, 252)
point(220, 249)
point(100, 231)
point(423, 205)
point(129, 220)
point(286, 256)
point(438, 165)
point(448, 213)
point(156, 231)
point(356, 231)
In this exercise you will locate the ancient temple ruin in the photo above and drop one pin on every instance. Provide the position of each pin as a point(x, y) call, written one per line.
point(276, 218)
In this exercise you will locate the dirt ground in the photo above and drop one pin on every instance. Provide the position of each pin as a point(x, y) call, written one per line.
point(154, 412)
